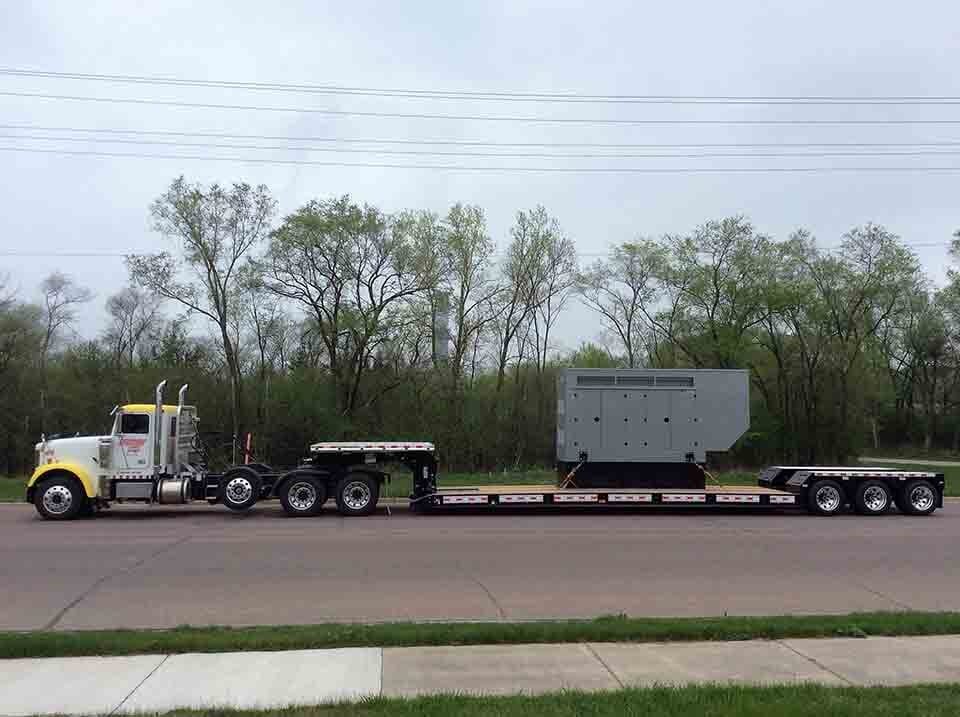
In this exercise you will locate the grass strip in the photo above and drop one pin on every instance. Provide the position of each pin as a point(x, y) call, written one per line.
point(782, 701)
point(603, 629)
point(12, 490)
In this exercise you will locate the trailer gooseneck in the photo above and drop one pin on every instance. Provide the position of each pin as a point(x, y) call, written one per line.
point(628, 438)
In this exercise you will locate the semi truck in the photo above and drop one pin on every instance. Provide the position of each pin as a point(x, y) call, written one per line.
point(627, 438)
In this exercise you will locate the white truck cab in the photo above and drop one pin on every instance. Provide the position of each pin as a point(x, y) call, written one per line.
point(150, 455)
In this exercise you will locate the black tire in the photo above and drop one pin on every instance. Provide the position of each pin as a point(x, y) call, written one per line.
point(239, 488)
point(357, 494)
point(302, 495)
point(826, 497)
point(919, 497)
point(873, 497)
point(60, 498)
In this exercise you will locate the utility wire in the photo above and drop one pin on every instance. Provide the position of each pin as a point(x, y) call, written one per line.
point(464, 153)
point(498, 96)
point(587, 254)
point(584, 254)
point(473, 118)
point(472, 143)
point(494, 168)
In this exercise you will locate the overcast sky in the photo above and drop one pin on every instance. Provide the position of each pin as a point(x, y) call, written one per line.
point(53, 203)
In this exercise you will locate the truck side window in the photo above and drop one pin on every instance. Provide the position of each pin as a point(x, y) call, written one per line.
point(134, 423)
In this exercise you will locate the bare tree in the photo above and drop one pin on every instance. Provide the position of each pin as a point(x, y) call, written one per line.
point(133, 313)
point(61, 298)
point(7, 295)
point(268, 328)
point(559, 279)
point(524, 273)
point(468, 255)
point(622, 289)
point(214, 229)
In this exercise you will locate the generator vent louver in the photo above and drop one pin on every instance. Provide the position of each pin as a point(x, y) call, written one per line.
point(590, 380)
point(635, 380)
point(675, 381)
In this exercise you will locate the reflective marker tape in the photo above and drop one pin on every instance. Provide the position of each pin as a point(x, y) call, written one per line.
point(783, 499)
point(630, 498)
point(454, 499)
point(575, 498)
point(521, 498)
point(738, 498)
point(683, 498)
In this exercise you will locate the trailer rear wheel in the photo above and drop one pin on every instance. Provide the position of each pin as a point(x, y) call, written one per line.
point(872, 498)
point(239, 488)
point(60, 498)
point(825, 497)
point(302, 495)
point(919, 498)
point(357, 494)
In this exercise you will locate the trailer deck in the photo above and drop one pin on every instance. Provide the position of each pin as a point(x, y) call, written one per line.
point(519, 495)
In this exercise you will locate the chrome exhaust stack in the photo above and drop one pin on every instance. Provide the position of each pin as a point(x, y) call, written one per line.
point(158, 425)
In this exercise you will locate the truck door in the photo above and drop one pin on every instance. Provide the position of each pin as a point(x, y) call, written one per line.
point(133, 443)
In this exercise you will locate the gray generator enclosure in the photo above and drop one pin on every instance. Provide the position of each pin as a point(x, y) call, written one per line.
point(649, 415)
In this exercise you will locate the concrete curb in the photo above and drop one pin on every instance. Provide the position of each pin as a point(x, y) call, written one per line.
point(246, 680)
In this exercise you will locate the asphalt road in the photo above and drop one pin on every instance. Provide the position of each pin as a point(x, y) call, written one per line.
point(155, 567)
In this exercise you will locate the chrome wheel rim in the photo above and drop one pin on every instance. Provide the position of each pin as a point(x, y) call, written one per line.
point(57, 499)
point(239, 490)
point(875, 499)
point(921, 498)
point(356, 495)
point(302, 496)
point(828, 499)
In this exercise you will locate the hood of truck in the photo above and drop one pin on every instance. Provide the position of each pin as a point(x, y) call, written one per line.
point(81, 450)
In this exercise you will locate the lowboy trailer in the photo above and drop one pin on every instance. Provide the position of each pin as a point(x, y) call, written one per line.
point(628, 438)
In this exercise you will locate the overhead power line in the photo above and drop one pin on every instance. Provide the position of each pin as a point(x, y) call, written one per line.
point(473, 143)
point(511, 155)
point(482, 95)
point(495, 168)
point(106, 253)
point(473, 118)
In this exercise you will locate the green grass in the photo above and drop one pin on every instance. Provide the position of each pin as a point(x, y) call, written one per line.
point(908, 451)
point(717, 701)
point(604, 629)
point(12, 490)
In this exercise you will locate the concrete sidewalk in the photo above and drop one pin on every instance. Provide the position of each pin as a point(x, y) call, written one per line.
point(152, 683)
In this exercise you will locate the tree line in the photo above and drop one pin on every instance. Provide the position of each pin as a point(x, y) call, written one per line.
point(341, 321)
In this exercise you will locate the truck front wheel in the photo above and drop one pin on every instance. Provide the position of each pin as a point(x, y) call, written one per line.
point(240, 488)
point(60, 498)
point(357, 494)
point(302, 495)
